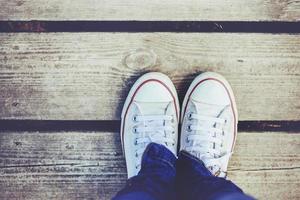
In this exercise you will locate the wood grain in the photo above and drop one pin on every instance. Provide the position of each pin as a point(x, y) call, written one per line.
point(77, 165)
point(192, 10)
point(46, 76)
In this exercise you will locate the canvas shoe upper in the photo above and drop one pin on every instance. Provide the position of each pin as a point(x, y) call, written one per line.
point(209, 122)
point(150, 114)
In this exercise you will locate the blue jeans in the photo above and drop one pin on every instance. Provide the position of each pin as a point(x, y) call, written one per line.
point(163, 177)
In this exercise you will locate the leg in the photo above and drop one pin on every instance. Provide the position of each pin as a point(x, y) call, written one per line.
point(196, 182)
point(209, 129)
point(149, 137)
point(156, 179)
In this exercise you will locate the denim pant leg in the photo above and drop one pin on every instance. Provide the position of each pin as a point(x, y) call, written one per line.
point(195, 182)
point(156, 179)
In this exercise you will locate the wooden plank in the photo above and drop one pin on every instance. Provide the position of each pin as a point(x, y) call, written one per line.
point(73, 165)
point(193, 10)
point(88, 75)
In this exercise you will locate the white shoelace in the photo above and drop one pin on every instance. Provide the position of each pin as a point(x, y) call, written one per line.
point(152, 128)
point(207, 145)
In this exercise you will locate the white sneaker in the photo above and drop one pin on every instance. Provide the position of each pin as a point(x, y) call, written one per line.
point(209, 122)
point(150, 114)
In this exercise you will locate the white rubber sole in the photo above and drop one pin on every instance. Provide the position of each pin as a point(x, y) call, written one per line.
point(148, 76)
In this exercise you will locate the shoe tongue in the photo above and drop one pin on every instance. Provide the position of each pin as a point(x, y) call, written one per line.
point(210, 110)
point(206, 109)
point(150, 108)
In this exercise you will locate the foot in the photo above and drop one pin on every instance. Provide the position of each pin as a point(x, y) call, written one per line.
point(150, 114)
point(209, 122)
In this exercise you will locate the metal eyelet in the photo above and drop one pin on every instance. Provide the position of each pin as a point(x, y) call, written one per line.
point(134, 118)
point(189, 128)
point(134, 129)
point(190, 116)
point(172, 120)
point(187, 140)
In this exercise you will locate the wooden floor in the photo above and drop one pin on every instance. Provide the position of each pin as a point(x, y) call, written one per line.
point(51, 77)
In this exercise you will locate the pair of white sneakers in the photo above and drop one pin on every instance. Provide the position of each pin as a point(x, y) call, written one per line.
point(208, 120)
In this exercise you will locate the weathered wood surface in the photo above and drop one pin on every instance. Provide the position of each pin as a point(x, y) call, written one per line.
point(88, 75)
point(237, 10)
point(73, 165)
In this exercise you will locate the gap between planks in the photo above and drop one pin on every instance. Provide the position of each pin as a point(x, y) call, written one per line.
point(114, 125)
point(151, 26)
